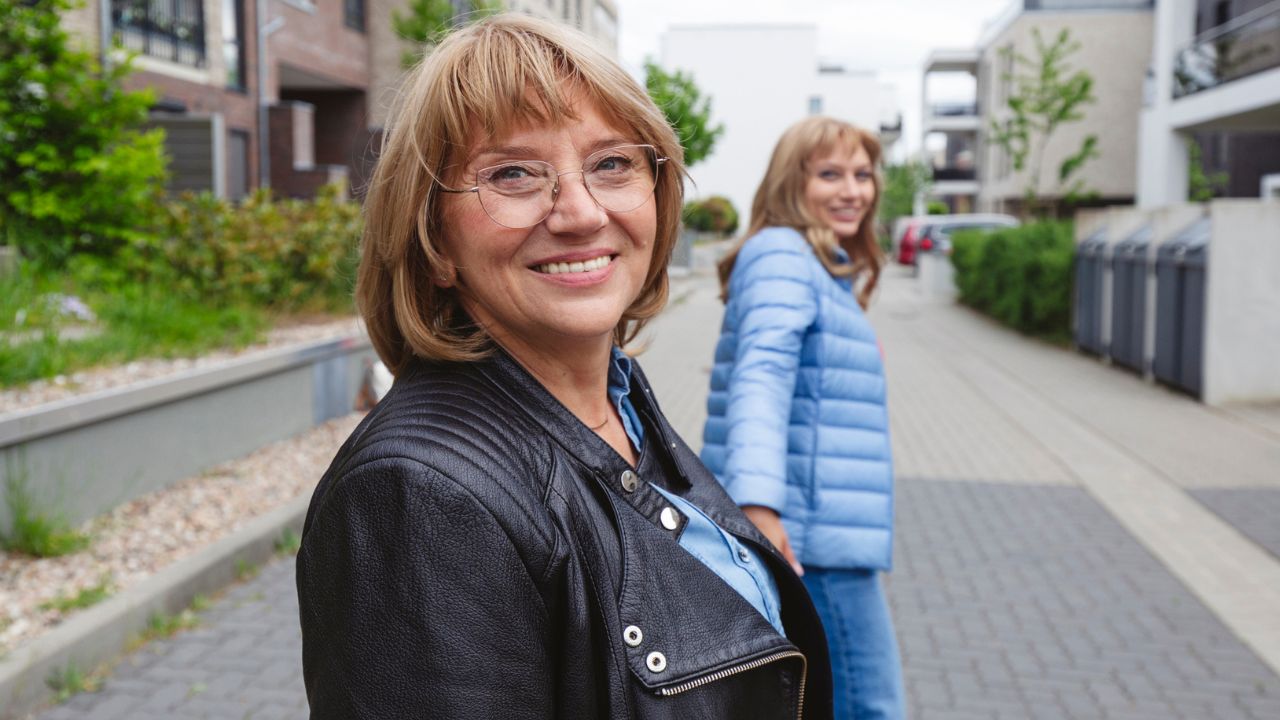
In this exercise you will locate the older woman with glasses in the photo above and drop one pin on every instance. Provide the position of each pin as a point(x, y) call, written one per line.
point(515, 531)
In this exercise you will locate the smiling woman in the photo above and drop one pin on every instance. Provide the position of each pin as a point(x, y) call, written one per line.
point(464, 555)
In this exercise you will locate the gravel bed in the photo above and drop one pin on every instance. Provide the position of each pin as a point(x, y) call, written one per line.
point(139, 538)
point(104, 378)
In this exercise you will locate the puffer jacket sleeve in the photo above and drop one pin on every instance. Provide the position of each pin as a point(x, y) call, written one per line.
point(775, 302)
point(399, 618)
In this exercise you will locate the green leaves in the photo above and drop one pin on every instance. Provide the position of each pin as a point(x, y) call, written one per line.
point(1020, 276)
point(687, 110)
point(77, 173)
point(426, 22)
point(1044, 94)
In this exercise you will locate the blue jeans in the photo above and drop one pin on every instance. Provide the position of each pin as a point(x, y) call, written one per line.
point(866, 670)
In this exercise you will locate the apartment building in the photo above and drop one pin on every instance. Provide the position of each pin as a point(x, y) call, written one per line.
point(1215, 81)
point(287, 93)
point(757, 94)
point(1114, 36)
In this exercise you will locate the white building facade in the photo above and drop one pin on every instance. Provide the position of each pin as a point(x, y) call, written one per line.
point(762, 79)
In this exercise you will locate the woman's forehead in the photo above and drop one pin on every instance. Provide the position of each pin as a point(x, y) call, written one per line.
point(587, 122)
point(841, 151)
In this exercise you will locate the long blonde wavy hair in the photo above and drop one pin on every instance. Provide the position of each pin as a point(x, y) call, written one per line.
point(780, 202)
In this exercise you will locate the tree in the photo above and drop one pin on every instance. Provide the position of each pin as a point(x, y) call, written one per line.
point(1202, 186)
point(77, 172)
point(1045, 94)
point(903, 183)
point(426, 22)
point(688, 111)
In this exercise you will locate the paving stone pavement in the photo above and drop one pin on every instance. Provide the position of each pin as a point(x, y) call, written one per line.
point(1016, 592)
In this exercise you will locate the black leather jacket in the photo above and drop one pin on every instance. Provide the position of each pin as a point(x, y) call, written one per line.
point(476, 552)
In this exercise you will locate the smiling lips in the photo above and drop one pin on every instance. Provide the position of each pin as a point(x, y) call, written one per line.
point(559, 268)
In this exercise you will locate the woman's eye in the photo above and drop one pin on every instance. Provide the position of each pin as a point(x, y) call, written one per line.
point(514, 176)
point(829, 175)
point(865, 176)
point(613, 164)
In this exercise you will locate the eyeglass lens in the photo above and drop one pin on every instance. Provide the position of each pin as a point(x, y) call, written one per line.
point(520, 194)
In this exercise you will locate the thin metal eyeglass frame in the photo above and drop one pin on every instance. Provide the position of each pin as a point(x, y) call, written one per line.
point(555, 187)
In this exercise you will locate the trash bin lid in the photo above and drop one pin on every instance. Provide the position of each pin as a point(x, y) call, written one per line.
point(1095, 242)
point(1139, 238)
point(1197, 233)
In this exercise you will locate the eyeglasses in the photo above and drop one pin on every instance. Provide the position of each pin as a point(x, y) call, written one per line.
point(521, 193)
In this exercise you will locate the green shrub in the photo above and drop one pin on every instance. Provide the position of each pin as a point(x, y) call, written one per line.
point(1020, 276)
point(77, 173)
point(284, 255)
point(712, 215)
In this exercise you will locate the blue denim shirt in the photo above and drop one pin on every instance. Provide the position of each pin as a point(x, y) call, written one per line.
point(737, 564)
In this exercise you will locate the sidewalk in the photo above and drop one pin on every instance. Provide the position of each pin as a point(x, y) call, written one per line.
point(1072, 543)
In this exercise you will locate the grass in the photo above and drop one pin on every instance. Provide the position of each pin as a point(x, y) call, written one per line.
point(245, 570)
point(33, 531)
point(132, 323)
point(85, 597)
point(71, 680)
point(288, 543)
point(163, 625)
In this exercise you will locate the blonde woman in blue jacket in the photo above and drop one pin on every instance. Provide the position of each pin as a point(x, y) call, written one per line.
point(797, 428)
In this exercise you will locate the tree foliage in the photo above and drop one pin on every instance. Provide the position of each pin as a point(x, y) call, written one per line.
point(1045, 94)
point(426, 22)
point(77, 172)
point(1202, 186)
point(688, 111)
point(903, 182)
point(715, 214)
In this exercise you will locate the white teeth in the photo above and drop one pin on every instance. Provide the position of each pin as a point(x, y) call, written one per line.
point(574, 267)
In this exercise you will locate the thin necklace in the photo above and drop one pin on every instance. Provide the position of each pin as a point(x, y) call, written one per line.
point(603, 423)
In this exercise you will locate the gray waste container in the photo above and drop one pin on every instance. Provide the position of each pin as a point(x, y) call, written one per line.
point(1090, 256)
point(1129, 266)
point(1180, 299)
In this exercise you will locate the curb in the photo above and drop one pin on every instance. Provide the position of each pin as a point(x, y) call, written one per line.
point(101, 633)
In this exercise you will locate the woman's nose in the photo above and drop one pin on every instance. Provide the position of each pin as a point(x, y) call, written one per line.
point(575, 211)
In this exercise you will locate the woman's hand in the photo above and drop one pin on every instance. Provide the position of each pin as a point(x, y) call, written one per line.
point(769, 524)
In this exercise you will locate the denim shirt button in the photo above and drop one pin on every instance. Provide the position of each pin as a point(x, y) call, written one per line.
point(743, 555)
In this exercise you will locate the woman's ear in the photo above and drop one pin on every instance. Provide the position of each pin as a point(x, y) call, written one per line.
point(445, 276)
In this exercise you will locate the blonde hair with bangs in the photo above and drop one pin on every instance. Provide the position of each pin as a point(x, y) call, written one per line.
point(481, 82)
point(780, 202)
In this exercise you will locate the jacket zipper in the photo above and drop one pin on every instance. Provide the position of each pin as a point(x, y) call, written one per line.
point(758, 662)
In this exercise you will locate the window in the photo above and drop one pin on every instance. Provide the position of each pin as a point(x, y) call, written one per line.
point(237, 164)
point(233, 43)
point(354, 14)
point(815, 104)
point(168, 29)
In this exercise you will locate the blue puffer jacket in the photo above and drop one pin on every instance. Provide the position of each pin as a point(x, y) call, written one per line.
point(796, 417)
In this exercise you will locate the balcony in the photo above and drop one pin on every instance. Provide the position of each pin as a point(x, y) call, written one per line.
point(952, 117)
point(944, 174)
point(1247, 45)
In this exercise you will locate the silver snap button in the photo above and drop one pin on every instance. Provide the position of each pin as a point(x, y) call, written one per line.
point(743, 555)
point(632, 636)
point(630, 481)
point(670, 520)
point(656, 661)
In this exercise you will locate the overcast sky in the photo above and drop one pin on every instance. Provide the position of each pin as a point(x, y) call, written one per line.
point(891, 37)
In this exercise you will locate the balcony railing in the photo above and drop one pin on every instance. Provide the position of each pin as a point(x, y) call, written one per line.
point(954, 109)
point(169, 29)
point(1247, 45)
point(954, 173)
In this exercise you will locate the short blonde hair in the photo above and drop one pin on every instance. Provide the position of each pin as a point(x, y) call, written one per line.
point(491, 77)
point(780, 202)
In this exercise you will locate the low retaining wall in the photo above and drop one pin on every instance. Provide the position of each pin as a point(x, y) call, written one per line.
point(84, 456)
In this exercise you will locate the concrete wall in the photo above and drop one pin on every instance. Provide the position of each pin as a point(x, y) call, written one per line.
point(1242, 323)
point(83, 457)
point(1115, 50)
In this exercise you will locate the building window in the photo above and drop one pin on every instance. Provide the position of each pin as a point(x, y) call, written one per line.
point(237, 164)
point(815, 104)
point(354, 14)
point(233, 43)
point(168, 29)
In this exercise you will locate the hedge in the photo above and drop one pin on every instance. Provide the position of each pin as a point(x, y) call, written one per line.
point(1020, 276)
